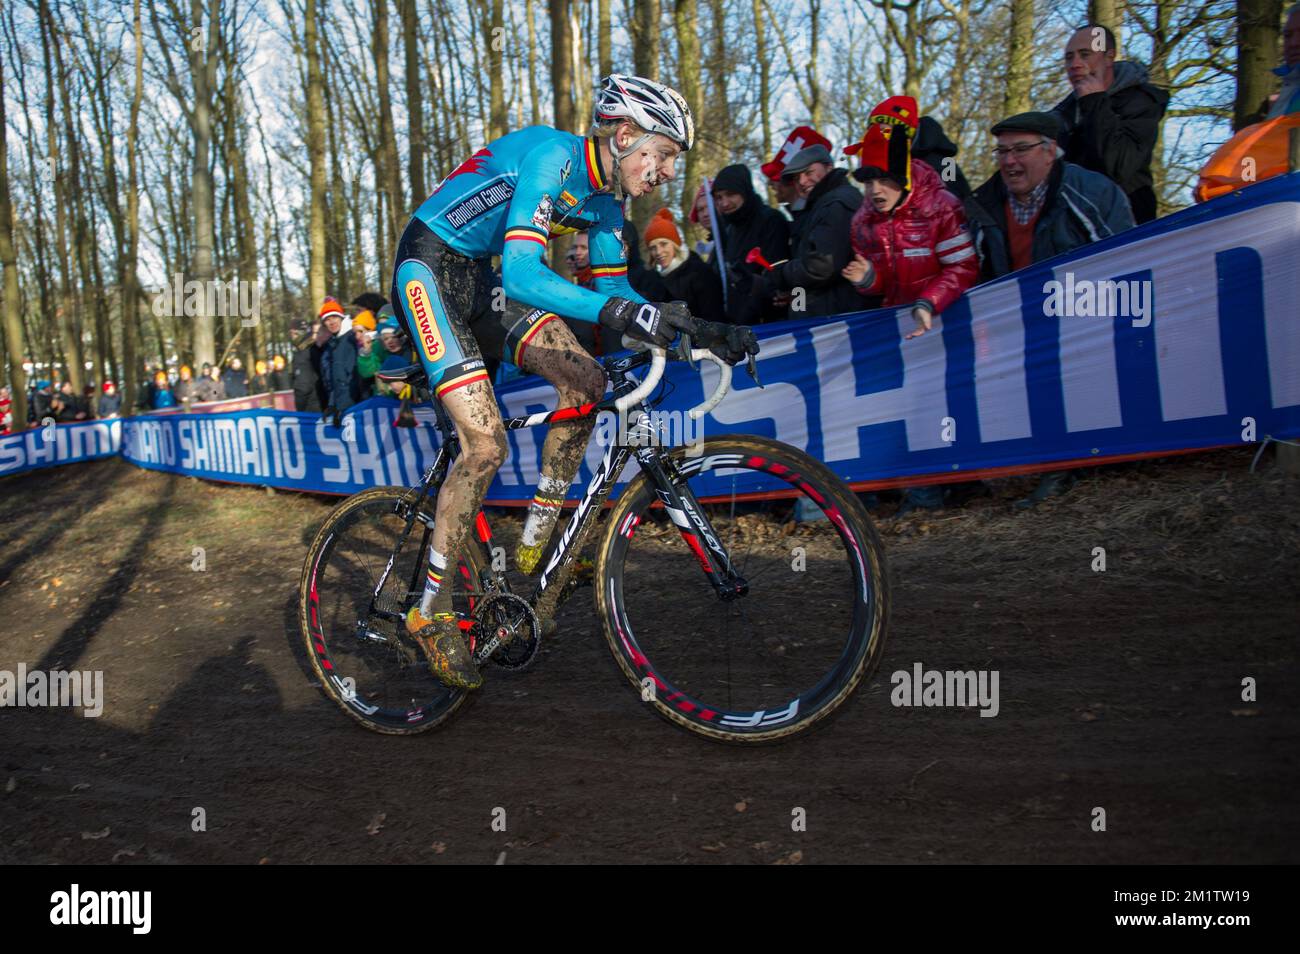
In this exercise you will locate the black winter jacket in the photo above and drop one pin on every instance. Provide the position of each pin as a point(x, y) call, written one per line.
point(1114, 132)
point(821, 251)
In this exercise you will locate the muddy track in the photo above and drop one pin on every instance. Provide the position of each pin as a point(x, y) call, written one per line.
point(1119, 689)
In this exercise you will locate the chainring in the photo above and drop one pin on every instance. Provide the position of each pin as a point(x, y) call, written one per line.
point(505, 612)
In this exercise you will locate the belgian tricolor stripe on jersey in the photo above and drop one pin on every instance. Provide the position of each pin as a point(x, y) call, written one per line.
point(527, 337)
point(459, 381)
point(594, 175)
point(609, 271)
point(526, 233)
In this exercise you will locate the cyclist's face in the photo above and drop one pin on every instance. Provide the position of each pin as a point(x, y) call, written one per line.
point(651, 165)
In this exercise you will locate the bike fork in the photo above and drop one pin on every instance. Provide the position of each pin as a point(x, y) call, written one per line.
point(693, 524)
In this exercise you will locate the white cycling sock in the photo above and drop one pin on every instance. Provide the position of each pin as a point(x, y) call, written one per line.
point(433, 582)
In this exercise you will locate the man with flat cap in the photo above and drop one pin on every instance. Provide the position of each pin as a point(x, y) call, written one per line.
point(1038, 205)
point(1035, 206)
point(819, 243)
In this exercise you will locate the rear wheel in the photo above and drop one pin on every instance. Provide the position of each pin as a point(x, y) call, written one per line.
point(778, 659)
point(356, 587)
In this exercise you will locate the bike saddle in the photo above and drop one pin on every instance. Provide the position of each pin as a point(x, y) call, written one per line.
point(412, 374)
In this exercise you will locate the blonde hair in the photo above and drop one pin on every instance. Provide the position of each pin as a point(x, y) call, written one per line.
point(609, 127)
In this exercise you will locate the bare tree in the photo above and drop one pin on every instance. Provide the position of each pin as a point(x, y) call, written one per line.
point(1258, 30)
point(13, 324)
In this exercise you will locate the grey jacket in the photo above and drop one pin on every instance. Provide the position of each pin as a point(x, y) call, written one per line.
point(1081, 207)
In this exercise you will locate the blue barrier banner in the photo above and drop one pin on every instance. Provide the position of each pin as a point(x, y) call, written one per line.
point(1177, 335)
point(56, 444)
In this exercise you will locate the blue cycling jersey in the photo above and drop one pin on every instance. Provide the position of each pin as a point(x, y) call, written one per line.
point(510, 197)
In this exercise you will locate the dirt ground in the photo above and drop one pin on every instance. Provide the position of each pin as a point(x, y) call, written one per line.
point(1120, 690)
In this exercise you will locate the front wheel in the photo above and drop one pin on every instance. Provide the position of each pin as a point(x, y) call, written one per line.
point(809, 624)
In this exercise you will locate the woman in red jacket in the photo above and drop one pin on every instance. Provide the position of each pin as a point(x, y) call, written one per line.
point(910, 239)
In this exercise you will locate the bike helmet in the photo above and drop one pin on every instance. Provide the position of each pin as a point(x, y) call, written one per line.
point(652, 106)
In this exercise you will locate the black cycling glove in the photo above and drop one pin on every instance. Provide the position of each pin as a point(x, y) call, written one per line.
point(732, 343)
point(656, 323)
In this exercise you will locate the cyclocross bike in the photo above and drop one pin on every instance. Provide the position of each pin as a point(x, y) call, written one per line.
point(727, 617)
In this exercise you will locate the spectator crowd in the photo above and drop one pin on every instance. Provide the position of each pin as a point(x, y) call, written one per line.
point(903, 228)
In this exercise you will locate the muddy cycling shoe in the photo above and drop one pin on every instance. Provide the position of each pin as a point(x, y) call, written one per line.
point(527, 558)
point(449, 657)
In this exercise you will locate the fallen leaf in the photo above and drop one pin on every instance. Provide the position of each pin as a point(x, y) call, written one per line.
point(376, 824)
point(438, 847)
point(11, 784)
point(1245, 712)
point(713, 849)
point(1088, 716)
point(741, 806)
point(95, 835)
point(81, 786)
point(125, 853)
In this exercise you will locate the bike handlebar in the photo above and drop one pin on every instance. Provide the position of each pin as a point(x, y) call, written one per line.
point(658, 360)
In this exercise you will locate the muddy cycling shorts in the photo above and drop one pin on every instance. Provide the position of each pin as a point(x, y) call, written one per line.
point(455, 311)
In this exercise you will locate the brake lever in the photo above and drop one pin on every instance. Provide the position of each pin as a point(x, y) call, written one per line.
point(684, 349)
point(751, 365)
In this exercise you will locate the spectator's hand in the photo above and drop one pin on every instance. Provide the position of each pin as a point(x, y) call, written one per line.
point(1087, 85)
point(859, 271)
point(923, 315)
point(330, 416)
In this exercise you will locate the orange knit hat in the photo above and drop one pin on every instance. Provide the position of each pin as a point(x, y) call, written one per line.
point(364, 319)
point(330, 306)
point(662, 226)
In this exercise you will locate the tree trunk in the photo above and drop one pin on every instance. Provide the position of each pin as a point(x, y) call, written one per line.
point(645, 38)
point(686, 22)
point(13, 322)
point(414, 99)
point(390, 181)
point(316, 152)
point(534, 96)
point(495, 38)
point(202, 75)
point(604, 41)
point(1107, 13)
point(764, 74)
point(130, 283)
point(1258, 30)
point(1020, 59)
point(73, 362)
point(562, 65)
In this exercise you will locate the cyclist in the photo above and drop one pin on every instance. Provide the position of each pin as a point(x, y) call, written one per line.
point(508, 199)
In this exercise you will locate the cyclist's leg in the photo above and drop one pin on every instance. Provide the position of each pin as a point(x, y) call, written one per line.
point(434, 293)
point(542, 344)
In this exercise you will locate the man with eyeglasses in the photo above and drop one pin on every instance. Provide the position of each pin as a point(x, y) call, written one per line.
point(1038, 205)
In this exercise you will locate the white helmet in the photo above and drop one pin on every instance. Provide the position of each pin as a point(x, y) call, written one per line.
point(652, 106)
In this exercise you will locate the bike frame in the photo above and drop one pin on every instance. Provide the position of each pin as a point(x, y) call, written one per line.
point(671, 489)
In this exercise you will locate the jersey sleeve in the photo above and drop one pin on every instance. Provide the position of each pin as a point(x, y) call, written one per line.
point(525, 275)
point(608, 252)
